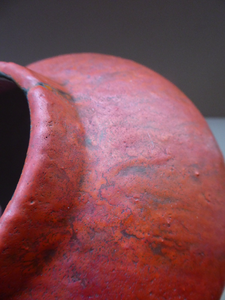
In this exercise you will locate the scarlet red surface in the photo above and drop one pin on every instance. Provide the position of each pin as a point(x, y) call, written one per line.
point(122, 195)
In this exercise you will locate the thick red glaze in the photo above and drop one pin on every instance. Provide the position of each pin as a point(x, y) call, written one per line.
point(122, 195)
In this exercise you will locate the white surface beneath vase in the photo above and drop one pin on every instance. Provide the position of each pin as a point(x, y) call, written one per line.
point(217, 125)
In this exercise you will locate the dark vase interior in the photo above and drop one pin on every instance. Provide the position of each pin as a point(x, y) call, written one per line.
point(14, 137)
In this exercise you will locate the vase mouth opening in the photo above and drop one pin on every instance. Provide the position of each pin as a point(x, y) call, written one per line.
point(14, 137)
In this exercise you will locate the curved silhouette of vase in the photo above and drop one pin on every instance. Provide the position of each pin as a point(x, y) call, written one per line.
point(118, 185)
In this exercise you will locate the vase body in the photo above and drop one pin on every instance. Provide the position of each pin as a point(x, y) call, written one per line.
point(122, 193)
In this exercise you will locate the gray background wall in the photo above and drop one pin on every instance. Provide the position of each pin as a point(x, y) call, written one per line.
point(184, 40)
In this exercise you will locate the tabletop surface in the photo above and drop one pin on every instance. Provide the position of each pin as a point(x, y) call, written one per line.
point(217, 126)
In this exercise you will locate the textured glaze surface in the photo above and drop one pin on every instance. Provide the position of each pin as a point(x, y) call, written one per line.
point(122, 195)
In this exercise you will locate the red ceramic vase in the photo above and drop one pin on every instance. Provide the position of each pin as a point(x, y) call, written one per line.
point(122, 192)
